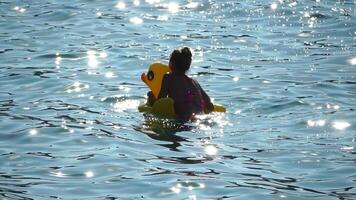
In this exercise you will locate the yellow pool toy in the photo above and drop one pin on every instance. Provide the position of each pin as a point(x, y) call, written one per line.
point(154, 77)
point(163, 107)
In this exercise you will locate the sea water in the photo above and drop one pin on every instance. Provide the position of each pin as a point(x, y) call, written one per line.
point(70, 87)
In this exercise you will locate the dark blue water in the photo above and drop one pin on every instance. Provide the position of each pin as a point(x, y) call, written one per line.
point(70, 86)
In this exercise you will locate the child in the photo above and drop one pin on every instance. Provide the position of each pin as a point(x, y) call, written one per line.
point(189, 98)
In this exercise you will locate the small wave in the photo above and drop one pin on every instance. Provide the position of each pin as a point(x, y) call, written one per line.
point(63, 55)
point(5, 50)
point(318, 15)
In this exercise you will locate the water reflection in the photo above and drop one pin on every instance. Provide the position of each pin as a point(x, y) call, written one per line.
point(192, 197)
point(312, 18)
point(162, 18)
point(198, 55)
point(192, 5)
point(236, 79)
point(136, 2)
point(340, 125)
point(173, 7)
point(211, 150)
point(153, 1)
point(207, 121)
point(164, 130)
point(347, 148)
point(274, 6)
point(187, 185)
point(329, 106)
point(176, 189)
point(58, 59)
point(89, 174)
point(293, 4)
point(124, 105)
point(92, 60)
point(103, 54)
point(58, 174)
point(136, 20)
point(120, 5)
point(124, 88)
point(77, 87)
point(110, 75)
point(264, 142)
point(353, 61)
point(305, 34)
point(312, 123)
point(33, 132)
point(19, 9)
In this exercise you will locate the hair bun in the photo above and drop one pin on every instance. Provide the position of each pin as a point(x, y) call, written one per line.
point(186, 51)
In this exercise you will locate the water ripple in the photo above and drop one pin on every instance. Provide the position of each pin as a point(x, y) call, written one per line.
point(70, 86)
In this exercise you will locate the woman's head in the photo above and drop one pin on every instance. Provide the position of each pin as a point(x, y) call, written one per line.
point(180, 60)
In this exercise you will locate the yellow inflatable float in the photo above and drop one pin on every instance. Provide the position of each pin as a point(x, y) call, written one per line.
point(163, 107)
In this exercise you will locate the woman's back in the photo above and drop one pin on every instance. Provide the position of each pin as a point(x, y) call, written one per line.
point(189, 98)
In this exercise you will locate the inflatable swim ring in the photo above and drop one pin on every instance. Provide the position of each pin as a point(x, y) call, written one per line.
point(163, 107)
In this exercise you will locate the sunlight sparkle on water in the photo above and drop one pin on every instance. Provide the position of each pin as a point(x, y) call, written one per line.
point(77, 87)
point(293, 4)
point(124, 88)
point(120, 5)
point(330, 106)
point(136, 20)
point(313, 123)
point(211, 150)
point(89, 174)
point(76, 84)
point(109, 74)
point(103, 54)
point(58, 60)
point(306, 15)
point(58, 174)
point(192, 5)
point(340, 125)
point(198, 55)
point(347, 148)
point(33, 132)
point(274, 6)
point(152, 1)
point(91, 52)
point(162, 18)
point(175, 189)
point(353, 61)
point(136, 2)
point(173, 7)
point(19, 9)
point(192, 197)
point(186, 185)
point(92, 60)
point(311, 20)
point(304, 34)
point(129, 104)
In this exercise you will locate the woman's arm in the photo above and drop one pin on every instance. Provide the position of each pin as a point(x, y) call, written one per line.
point(151, 98)
point(208, 106)
point(207, 102)
point(164, 87)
